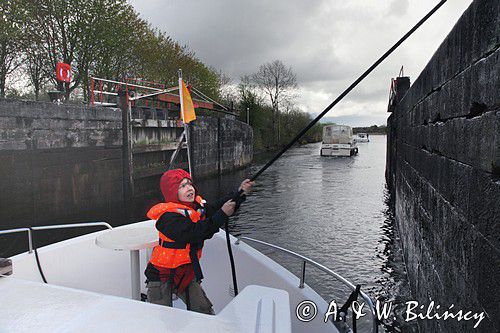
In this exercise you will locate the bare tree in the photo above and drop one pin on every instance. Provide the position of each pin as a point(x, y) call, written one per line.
point(54, 23)
point(103, 38)
point(35, 63)
point(34, 59)
point(247, 91)
point(227, 91)
point(86, 34)
point(10, 31)
point(278, 82)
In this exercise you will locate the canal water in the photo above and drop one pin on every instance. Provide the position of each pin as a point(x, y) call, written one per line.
point(335, 211)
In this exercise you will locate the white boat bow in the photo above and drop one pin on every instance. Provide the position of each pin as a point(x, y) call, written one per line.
point(89, 289)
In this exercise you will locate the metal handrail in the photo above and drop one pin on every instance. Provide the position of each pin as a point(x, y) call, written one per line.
point(12, 231)
point(322, 268)
point(127, 84)
point(54, 226)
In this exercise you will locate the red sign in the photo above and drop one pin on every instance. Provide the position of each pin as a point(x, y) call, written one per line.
point(63, 72)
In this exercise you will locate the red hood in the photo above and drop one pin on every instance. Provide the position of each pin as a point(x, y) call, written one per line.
point(169, 185)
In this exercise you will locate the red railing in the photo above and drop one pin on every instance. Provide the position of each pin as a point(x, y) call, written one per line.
point(104, 92)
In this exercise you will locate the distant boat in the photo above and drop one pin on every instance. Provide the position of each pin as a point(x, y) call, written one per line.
point(338, 141)
point(362, 137)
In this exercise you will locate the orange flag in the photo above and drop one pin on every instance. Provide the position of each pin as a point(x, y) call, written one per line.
point(187, 105)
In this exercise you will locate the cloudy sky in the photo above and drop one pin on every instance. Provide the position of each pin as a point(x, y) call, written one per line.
point(328, 43)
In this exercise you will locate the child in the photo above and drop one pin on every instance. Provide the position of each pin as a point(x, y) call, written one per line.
point(184, 221)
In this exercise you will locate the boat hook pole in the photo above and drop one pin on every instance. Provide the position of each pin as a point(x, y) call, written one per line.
point(351, 87)
point(237, 198)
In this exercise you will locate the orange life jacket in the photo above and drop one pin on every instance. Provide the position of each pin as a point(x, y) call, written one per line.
point(169, 253)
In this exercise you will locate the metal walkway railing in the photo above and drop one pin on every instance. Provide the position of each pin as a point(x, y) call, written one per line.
point(49, 227)
point(321, 267)
point(304, 259)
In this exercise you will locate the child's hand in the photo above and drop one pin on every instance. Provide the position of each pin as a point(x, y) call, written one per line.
point(246, 186)
point(228, 207)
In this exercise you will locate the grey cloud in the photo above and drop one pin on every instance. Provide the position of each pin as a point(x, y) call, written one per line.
point(327, 43)
point(398, 7)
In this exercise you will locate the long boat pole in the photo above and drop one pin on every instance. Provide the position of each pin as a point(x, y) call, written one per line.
point(238, 197)
point(351, 87)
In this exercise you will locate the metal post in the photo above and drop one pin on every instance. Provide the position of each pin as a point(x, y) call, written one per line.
point(177, 150)
point(303, 275)
point(219, 147)
point(248, 116)
point(127, 156)
point(188, 147)
point(92, 91)
point(135, 274)
point(186, 126)
point(30, 241)
point(100, 90)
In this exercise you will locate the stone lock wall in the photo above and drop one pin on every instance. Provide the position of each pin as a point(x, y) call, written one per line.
point(58, 164)
point(220, 145)
point(65, 164)
point(444, 170)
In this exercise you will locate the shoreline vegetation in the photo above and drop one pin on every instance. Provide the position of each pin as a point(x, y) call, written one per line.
point(374, 129)
point(316, 136)
point(109, 39)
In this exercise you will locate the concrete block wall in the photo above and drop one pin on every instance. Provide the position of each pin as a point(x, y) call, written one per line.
point(220, 145)
point(205, 142)
point(444, 168)
point(63, 164)
point(59, 164)
point(43, 125)
point(148, 131)
point(236, 144)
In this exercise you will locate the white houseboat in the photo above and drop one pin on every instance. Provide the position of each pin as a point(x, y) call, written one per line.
point(94, 283)
point(338, 141)
point(362, 137)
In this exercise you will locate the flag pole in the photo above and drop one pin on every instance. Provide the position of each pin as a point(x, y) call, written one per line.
point(186, 126)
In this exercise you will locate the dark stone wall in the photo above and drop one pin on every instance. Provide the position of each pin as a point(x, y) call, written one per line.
point(58, 164)
point(220, 145)
point(444, 169)
point(63, 164)
point(205, 146)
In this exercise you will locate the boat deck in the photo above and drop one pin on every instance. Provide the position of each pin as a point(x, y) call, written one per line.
point(90, 289)
point(36, 307)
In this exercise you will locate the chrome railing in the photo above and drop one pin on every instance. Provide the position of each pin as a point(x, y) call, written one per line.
point(55, 226)
point(321, 267)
